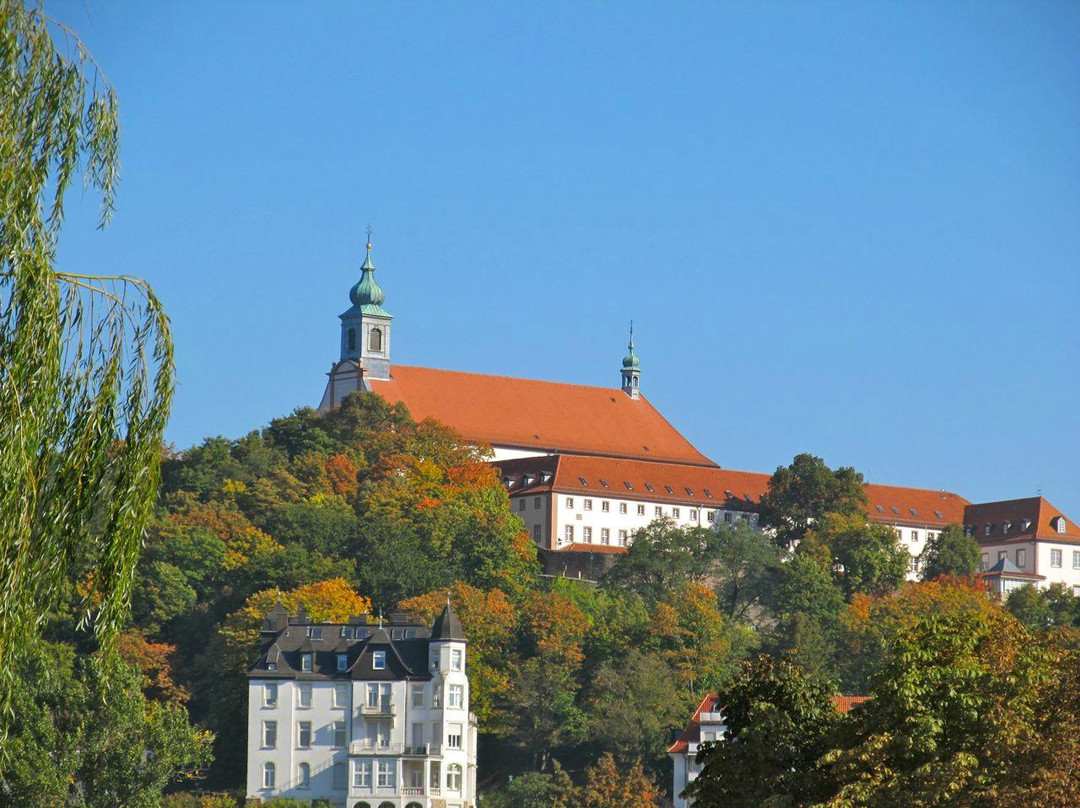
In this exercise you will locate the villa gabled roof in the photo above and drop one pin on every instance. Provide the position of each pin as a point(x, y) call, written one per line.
point(539, 416)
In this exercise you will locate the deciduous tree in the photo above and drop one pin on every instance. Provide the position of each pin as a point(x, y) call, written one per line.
point(801, 494)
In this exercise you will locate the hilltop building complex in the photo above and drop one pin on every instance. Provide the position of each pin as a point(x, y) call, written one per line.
point(587, 466)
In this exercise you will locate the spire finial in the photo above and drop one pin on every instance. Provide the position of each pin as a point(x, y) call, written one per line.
point(369, 238)
point(447, 598)
point(631, 345)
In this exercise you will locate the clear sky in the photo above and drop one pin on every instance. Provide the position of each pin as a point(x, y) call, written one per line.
point(847, 228)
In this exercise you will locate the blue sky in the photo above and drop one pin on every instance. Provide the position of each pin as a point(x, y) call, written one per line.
point(847, 228)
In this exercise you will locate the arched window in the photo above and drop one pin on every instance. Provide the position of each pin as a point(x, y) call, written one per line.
point(269, 775)
point(453, 777)
point(413, 805)
point(362, 805)
point(350, 338)
point(304, 776)
point(374, 342)
point(386, 805)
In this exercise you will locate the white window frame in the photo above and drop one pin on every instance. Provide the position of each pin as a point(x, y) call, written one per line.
point(418, 696)
point(456, 658)
point(586, 505)
point(454, 736)
point(622, 507)
point(269, 774)
point(455, 697)
point(303, 775)
point(453, 777)
point(339, 731)
point(362, 774)
point(342, 662)
point(300, 734)
point(270, 694)
point(303, 695)
point(378, 660)
point(570, 503)
point(341, 694)
point(306, 662)
point(1056, 555)
point(269, 734)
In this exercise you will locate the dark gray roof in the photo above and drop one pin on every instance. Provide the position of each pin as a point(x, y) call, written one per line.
point(404, 641)
point(447, 626)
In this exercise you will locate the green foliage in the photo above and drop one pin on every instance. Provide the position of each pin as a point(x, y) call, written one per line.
point(83, 735)
point(950, 552)
point(662, 557)
point(801, 494)
point(778, 721)
point(866, 557)
point(1043, 609)
point(747, 563)
point(86, 376)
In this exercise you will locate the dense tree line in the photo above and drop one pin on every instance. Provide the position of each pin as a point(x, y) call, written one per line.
point(576, 686)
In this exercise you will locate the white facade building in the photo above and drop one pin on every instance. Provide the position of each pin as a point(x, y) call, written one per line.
point(361, 715)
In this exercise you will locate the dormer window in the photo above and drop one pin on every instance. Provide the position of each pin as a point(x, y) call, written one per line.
point(1005, 527)
point(989, 529)
point(306, 662)
point(378, 660)
point(342, 662)
point(315, 633)
point(1058, 523)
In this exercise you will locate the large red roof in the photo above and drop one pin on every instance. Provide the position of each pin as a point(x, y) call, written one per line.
point(539, 416)
point(713, 487)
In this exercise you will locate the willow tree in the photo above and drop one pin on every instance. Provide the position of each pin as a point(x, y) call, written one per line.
point(85, 361)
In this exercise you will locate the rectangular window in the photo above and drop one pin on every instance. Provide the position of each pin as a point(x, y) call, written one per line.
point(339, 777)
point(1055, 558)
point(341, 694)
point(729, 517)
point(521, 503)
point(693, 515)
point(914, 536)
point(640, 510)
point(436, 697)
point(455, 659)
point(658, 511)
point(378, 660)
point(456, 698)
point(536, 534)
point(569, 537)
point(269, 775)
point(929, 536)
point(1002, 554)
point(362, 774)
point(453, 736)
point(587, 504)
point(305, 662)
point(270, 694)
point(1021, 558)
point(985, 565)
point(622, 538)
point(605, 535)
point(339, 734)
point(269, 739)
point(342, 661)
point(303, 695)
point(622, 507)
point(386, 774)
point(605, 506)
point(586, 535)
point(418, 695)
point(569, 502)
point(303, 735)
point(1076, 559)
point(536, 503)
point(675, 512)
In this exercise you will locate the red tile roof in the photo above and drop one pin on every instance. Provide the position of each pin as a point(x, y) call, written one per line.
point(538, 415)
point(692, 732)
point(1019, 520)
point(732, 490)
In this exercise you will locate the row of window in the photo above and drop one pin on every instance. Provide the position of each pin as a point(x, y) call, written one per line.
point(379, 731)
point(374, 339)
point(377, 694)
point(1056, 558)
point(360, 633)
point(385, 775)
point(914, 536)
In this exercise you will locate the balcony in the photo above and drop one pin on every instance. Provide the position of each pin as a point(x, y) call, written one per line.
point(711, 718)
point(384, 709)
point(369, 747)
point(412, 791)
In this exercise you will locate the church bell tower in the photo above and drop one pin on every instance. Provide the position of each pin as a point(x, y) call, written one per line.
point(365, 338)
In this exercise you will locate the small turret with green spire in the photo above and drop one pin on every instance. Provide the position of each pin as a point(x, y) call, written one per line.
point(366, 295)
point(631, 369)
